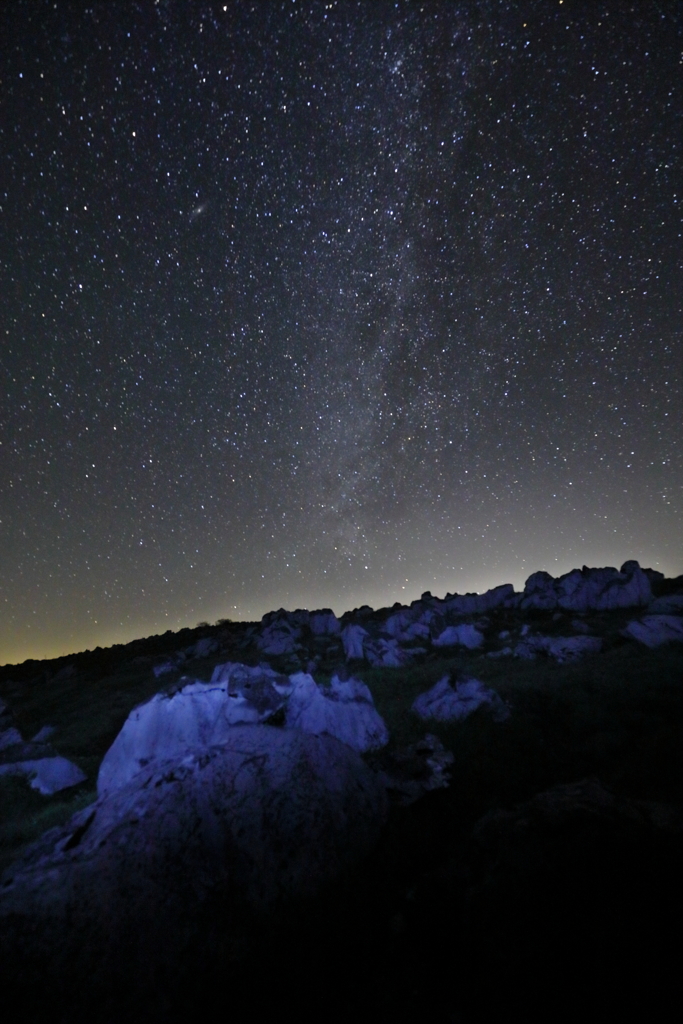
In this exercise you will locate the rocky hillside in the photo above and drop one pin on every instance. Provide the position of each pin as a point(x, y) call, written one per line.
point(468, 800)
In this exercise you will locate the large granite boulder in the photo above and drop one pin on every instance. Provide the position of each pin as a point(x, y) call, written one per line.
point(345, 710)
point(116, 894)
point(198, 714)
point(577, 879)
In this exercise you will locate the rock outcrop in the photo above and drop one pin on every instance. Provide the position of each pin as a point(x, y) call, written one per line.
point(199, 714)
point(468, 604)
point(464, 635)
point(410, 772)
point(655, 630)
point(560, 648)
point(589, 589)
point(345, 710)
point(445, 703)
point(353, 637)
point(325, 623)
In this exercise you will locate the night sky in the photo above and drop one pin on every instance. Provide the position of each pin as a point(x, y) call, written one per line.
point(317, 304)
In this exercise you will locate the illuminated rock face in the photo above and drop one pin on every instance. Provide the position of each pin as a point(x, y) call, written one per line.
point(344, 710)
point(204, 714)
point(46, 774)
point(198, 715)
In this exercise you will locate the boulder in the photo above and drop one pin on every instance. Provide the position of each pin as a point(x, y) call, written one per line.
point(352, 638)
point(504, 652)
point(463, 635)
point(344, 710)
point(46, 774)
point(469, 604)
point(410, 772)
point(168, 665)
point(10, 737)
point(199, 714)
point(118, 893)
point(444, 703)
point(203, 648)
point(36, 760)
point(398, 622)
point(325, 623)
point(561, 648)
point(655, 630)
point(279, 637)
point(410, 624)
point(386, 653)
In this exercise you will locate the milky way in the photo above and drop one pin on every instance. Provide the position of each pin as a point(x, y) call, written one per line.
point(313, 304)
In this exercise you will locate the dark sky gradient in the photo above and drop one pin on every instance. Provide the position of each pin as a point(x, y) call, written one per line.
point(313, 304)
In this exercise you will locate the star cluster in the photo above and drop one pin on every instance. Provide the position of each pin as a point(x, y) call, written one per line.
point(315, 304)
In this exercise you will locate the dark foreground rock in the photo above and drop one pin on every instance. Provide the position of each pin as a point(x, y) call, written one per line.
point(566, 906)
point(120, 895)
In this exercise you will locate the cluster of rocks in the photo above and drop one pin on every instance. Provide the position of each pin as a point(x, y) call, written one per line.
point(433, 624)
point(34, 760)
point(200, 715)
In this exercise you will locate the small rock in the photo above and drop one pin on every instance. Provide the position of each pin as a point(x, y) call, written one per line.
point(44, 734)
point(47, 774)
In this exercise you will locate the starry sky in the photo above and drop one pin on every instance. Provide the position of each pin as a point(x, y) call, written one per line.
point(315, 304)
